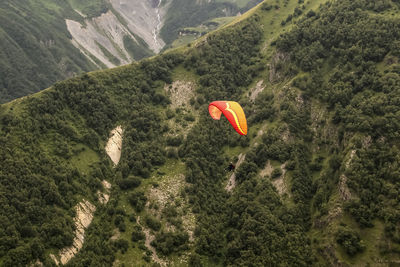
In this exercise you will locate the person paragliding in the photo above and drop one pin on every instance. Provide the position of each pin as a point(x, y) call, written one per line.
point(232, 111)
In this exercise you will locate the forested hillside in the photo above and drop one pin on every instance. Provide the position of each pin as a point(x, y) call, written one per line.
point(35, 47)
point(317, 178)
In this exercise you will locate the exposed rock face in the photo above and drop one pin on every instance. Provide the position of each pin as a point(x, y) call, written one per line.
point(274, 74)
point(267, 170)
point(114, 145)
point(256, 90)
point(168, 193)
point(280, 182)
point(139, 18)
point(54, 258)
point(232, 180)
point(343, 189)
point(83, 218)
point(104, 196)
point(105, 30)
point(180, 93)
point(143, 18)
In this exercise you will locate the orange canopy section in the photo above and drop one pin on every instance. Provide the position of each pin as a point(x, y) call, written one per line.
point(232, 111)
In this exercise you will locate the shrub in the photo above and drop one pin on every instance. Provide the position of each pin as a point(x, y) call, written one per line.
point(349, 240)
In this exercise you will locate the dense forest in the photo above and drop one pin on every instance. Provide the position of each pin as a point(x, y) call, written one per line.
point(319, 180)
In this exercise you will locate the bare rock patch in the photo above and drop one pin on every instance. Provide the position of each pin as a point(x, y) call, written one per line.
point(255, 91)
point(114, 145)
point(83, 218)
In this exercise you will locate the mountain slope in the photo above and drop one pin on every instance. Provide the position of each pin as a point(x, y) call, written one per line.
point(36, 50)
point(318, 182)
point(45, 41)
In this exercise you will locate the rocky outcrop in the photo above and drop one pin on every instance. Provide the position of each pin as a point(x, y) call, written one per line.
point(104, 32)
point(105, 195)
point(143, 18)
point(180, 93)
point(149, 238)
point(114, 145)
point(85, 210)
point(274, 68)
point(267, 170)
point(83, 218)
point(107, 32)
point(256, 90)
point(279, 183)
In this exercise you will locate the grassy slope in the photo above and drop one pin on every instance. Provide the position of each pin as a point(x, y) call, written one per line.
point(193, 13)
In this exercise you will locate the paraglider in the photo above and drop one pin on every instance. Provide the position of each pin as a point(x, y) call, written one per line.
point(232, 111)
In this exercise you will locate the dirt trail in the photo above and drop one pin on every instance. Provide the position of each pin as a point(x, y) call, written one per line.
point(114, 145)
point(232, 180)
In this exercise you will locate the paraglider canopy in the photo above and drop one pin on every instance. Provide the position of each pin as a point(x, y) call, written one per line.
point(232, 111)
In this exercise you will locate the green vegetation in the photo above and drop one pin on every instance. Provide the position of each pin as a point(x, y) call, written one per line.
point(192, 13)
point(350, 240)
point(109, 56)
point(319, 182)
point(92, 8)
point(135, 50)
point(35, 49)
